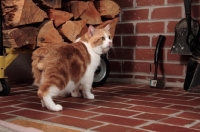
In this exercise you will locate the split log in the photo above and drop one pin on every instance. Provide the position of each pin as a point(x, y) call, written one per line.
point(78, 7)
point(48, 34)
point(71, 29)
point(91, 15)
point(18, 37)
point(59, 17)
point(21, 12)
point(112, 23)
point(49, 3)
point(107, 8)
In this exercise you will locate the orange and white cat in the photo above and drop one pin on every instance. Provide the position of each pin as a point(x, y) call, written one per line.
point(61, 68)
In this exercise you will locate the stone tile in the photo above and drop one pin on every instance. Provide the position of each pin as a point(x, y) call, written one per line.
point(10, 103)
point(168, 96)
point(197, 126)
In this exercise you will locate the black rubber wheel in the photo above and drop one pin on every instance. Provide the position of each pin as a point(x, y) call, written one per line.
point(4, 88)
point(101, 73)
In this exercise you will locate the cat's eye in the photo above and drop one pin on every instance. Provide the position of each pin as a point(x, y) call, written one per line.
point(109, 37)
point(103, 38)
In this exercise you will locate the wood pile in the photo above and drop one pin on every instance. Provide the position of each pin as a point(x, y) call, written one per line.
point(35, 23)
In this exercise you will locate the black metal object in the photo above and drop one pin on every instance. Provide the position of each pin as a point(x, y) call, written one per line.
point(186, 32)
point(1, 34)
point(158, 83)
point(192, 79)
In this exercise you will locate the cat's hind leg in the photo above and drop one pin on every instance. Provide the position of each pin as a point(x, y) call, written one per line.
point(76, 92)
point(46, 92)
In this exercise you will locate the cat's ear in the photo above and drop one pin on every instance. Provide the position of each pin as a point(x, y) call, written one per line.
point(107, 27)
point(91, 30)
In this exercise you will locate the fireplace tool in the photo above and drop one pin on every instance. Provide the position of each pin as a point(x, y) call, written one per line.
point(187, 42)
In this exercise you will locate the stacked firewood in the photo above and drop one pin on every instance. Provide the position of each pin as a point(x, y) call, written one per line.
point(35, 23)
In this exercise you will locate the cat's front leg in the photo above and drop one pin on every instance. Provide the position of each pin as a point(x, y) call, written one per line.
point(86, 89)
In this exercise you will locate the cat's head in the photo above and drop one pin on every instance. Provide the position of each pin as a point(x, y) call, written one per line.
point(99, 39)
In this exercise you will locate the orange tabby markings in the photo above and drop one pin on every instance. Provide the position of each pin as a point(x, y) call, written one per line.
point(64, 68)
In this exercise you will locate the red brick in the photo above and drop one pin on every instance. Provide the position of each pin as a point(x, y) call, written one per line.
point(175, 79)
point(195, 11)
point(180, 102)
point(143, 98)
point(174, 69)
point(160, 95)
point(127, 3)
point(115, 66)
point(167, 13)
point(114, 111)
point(147, 103)
point(116, 128)
point(154, 110)
point(4, 116)
point(109, 104)
point(197, 126)
point(177, 121)
point(7, 109)
point(117, 41)
point(121, 53)
point(169, 40)
point(135, 67)
point(125, 28)
point(141, 14)
point(77, 122)
point(142, 77)
point(34, 114)
point(149, 2)
point(150, 27)
point(147, 54)
point(148, 116)
point(190, 115)
point(180, 107)
point(119, 120)
point(171, 26)
point(133, 41)
point(177, 57)
point(175, 1)
point(118, 76)
point(167, 128)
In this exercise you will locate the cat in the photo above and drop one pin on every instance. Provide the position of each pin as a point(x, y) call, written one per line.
point(66, 68)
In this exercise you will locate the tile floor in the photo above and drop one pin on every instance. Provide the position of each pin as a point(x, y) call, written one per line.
point(116, 108)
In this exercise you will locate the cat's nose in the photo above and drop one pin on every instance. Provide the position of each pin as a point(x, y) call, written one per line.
point(110, 43)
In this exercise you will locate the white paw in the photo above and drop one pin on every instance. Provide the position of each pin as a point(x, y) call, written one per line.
point(89, 96)
point(76, 93)
point(57, 108)
point(43, 105)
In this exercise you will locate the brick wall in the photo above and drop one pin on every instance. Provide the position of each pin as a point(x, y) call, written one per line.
point(141, 21)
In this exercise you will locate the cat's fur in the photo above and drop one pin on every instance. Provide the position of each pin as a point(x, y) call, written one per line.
point(62, 68)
